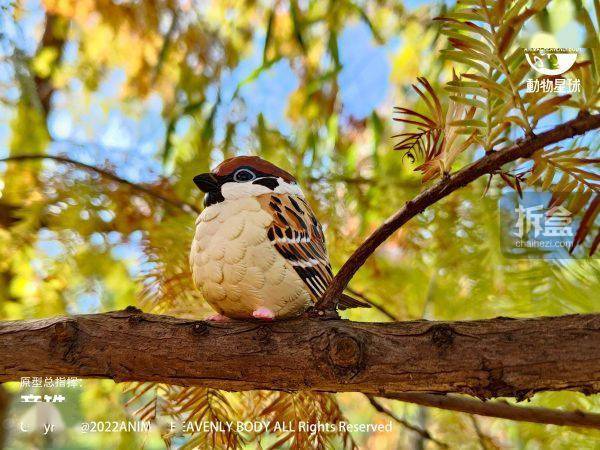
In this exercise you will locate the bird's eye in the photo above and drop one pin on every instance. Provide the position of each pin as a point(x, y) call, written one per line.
point(243, 175)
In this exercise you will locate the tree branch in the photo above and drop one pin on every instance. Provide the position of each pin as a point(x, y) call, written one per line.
point(184, 206)
point(486, 358)
point(486, 165)
point(480, 435)
point(502, 409)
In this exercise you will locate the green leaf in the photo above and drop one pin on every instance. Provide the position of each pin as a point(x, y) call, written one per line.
point(332, 44)
point(468, 27)
point(298, 24)
point(470, 42)
point(468, 123)
point(255, 74)
point(468, 60)
point(469, 101)
point(489, 84)
point(208, 129)
point(268, 36)
point(465, 89)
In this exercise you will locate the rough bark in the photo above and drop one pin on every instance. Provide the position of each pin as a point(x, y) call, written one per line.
point(487, 358)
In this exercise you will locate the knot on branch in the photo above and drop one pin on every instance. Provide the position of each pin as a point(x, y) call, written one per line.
point(64, 339)
point(200, 328)
point(442, 335)
point(345, 351)
point(340, 353)
point(264, 337)
point(494, 384)
point(134, 314)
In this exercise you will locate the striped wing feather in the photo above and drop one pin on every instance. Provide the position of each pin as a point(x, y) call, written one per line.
point(298, 237)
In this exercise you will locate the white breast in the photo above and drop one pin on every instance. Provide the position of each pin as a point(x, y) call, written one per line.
point(236, 267)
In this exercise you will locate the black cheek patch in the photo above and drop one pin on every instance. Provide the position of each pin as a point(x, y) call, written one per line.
point(268, 182)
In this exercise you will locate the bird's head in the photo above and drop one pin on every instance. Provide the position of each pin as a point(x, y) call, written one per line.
point(245, 176)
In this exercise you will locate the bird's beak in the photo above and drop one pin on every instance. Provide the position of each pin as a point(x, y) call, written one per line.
point(206, 182)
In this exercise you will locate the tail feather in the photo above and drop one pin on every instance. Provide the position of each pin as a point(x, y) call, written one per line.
point(347, 302)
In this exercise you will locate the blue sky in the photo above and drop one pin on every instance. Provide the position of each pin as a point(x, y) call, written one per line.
point(115, 135)
point(119, 136)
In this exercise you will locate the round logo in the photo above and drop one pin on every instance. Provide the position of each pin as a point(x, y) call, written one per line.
point(551, 61)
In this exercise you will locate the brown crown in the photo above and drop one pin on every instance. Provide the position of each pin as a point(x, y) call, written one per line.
point(232, 164)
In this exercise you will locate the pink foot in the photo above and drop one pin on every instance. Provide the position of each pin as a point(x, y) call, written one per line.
point(263, 313)
point(218, 318)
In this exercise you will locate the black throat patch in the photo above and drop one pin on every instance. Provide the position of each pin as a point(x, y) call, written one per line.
point(213, 197)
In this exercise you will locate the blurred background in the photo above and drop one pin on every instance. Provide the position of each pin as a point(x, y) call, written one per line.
point(156, 92)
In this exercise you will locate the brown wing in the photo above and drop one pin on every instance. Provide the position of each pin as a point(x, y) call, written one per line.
point(298, 237)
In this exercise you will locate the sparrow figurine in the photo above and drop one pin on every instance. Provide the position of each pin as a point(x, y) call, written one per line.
point(258, 250)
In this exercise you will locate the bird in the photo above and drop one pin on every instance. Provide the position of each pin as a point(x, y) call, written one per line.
point(258, 251)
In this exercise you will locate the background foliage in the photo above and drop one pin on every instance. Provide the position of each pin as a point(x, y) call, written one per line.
point(158, 91)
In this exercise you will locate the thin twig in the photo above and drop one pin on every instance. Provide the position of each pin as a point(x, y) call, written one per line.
point(485, 165)
point(421, 432)
point(501, 409)
point(382, 309)
point(184, 206)
point(482, 437)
